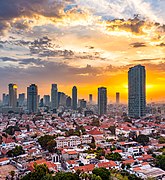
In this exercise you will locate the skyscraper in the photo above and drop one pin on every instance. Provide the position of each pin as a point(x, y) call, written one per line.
point(90, 98)
point(32, 98)
point(13, 95)
point(117, 97)
point(74, 98)
point(46, 100)
point(54, 96)
point(5, 99)
point(137, 91)
point(82, 103)
point(102, 100)
point(68, 101)
point(21, 99)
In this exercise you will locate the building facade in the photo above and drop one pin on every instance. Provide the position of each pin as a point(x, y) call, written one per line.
point(54, 96)
point(137, 91)
point(46, 100)
point(21, 99)
point(74, 98)
point(32, 98)
point(102, 100)
point(13, 95)
point(117, 97)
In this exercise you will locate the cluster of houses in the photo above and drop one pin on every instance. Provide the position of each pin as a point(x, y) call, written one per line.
point(73, 149)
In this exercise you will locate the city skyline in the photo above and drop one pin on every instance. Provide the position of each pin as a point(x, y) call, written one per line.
point(111, 97)
point(87, 43)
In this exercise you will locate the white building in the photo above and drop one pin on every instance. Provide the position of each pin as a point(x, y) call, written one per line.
point(72, 141)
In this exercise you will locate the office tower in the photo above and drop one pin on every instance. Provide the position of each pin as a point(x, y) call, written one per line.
point(21, 99)
point(102, 100)
point(62, 98)
point(68, 102)
point(82, 103)
point(46, 100)
point(38, 98)
point(41, 103)
point(13, 95)
point(117, 98)
point(5, 99)
point(32, 98)
point(90, 98)
point(54, 96)
point(137, 91)
point(74, 98)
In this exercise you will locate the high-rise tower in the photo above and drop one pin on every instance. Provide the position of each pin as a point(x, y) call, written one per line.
point(137, 91)
point(117, 97)
point(54, 96)
point(102, 100)
point(32, 98)
point(90, 98)
point(13, 95)
point(74, 98)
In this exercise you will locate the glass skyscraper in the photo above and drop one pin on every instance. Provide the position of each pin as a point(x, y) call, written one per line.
point(13, 95)
point(32, 98)
point(102, 100)
point(54, 96)
point(74, 98)
point(137, 91)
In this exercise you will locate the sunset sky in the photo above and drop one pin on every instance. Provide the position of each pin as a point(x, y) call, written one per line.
point(87, 43)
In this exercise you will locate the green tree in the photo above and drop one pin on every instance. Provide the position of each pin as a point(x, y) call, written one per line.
point(51, 145)
point(162, 140)
point(99, 152)
point(112, 129)
point(47, 177)
point(11, 130)
point(143, 139)
point(94, 177)
point(18, 150)
point(84, 176)
point(92, 144)
point(39, 173)
point(66, 176)
point(160, 161)
point(113, 156)
point(102, 172)
point(47, 142)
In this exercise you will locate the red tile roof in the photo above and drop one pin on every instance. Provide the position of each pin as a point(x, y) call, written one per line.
point(3, 159)
point(129, 161)
point(39, 162)
point(107, 164)
point(95, 132)
point(85, 168)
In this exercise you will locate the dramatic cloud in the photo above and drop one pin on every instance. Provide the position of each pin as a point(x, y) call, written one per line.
point(138, 44)
point(90, 43)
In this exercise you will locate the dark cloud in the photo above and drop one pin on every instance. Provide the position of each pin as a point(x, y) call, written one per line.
point(131, 25)
point(44, 47)
point(146, 60)
point(21, 8)
point(43, 71)
point(26, 61)
point(134, 25)
point(138, 44)
point(12, 9)
point(161, 45)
